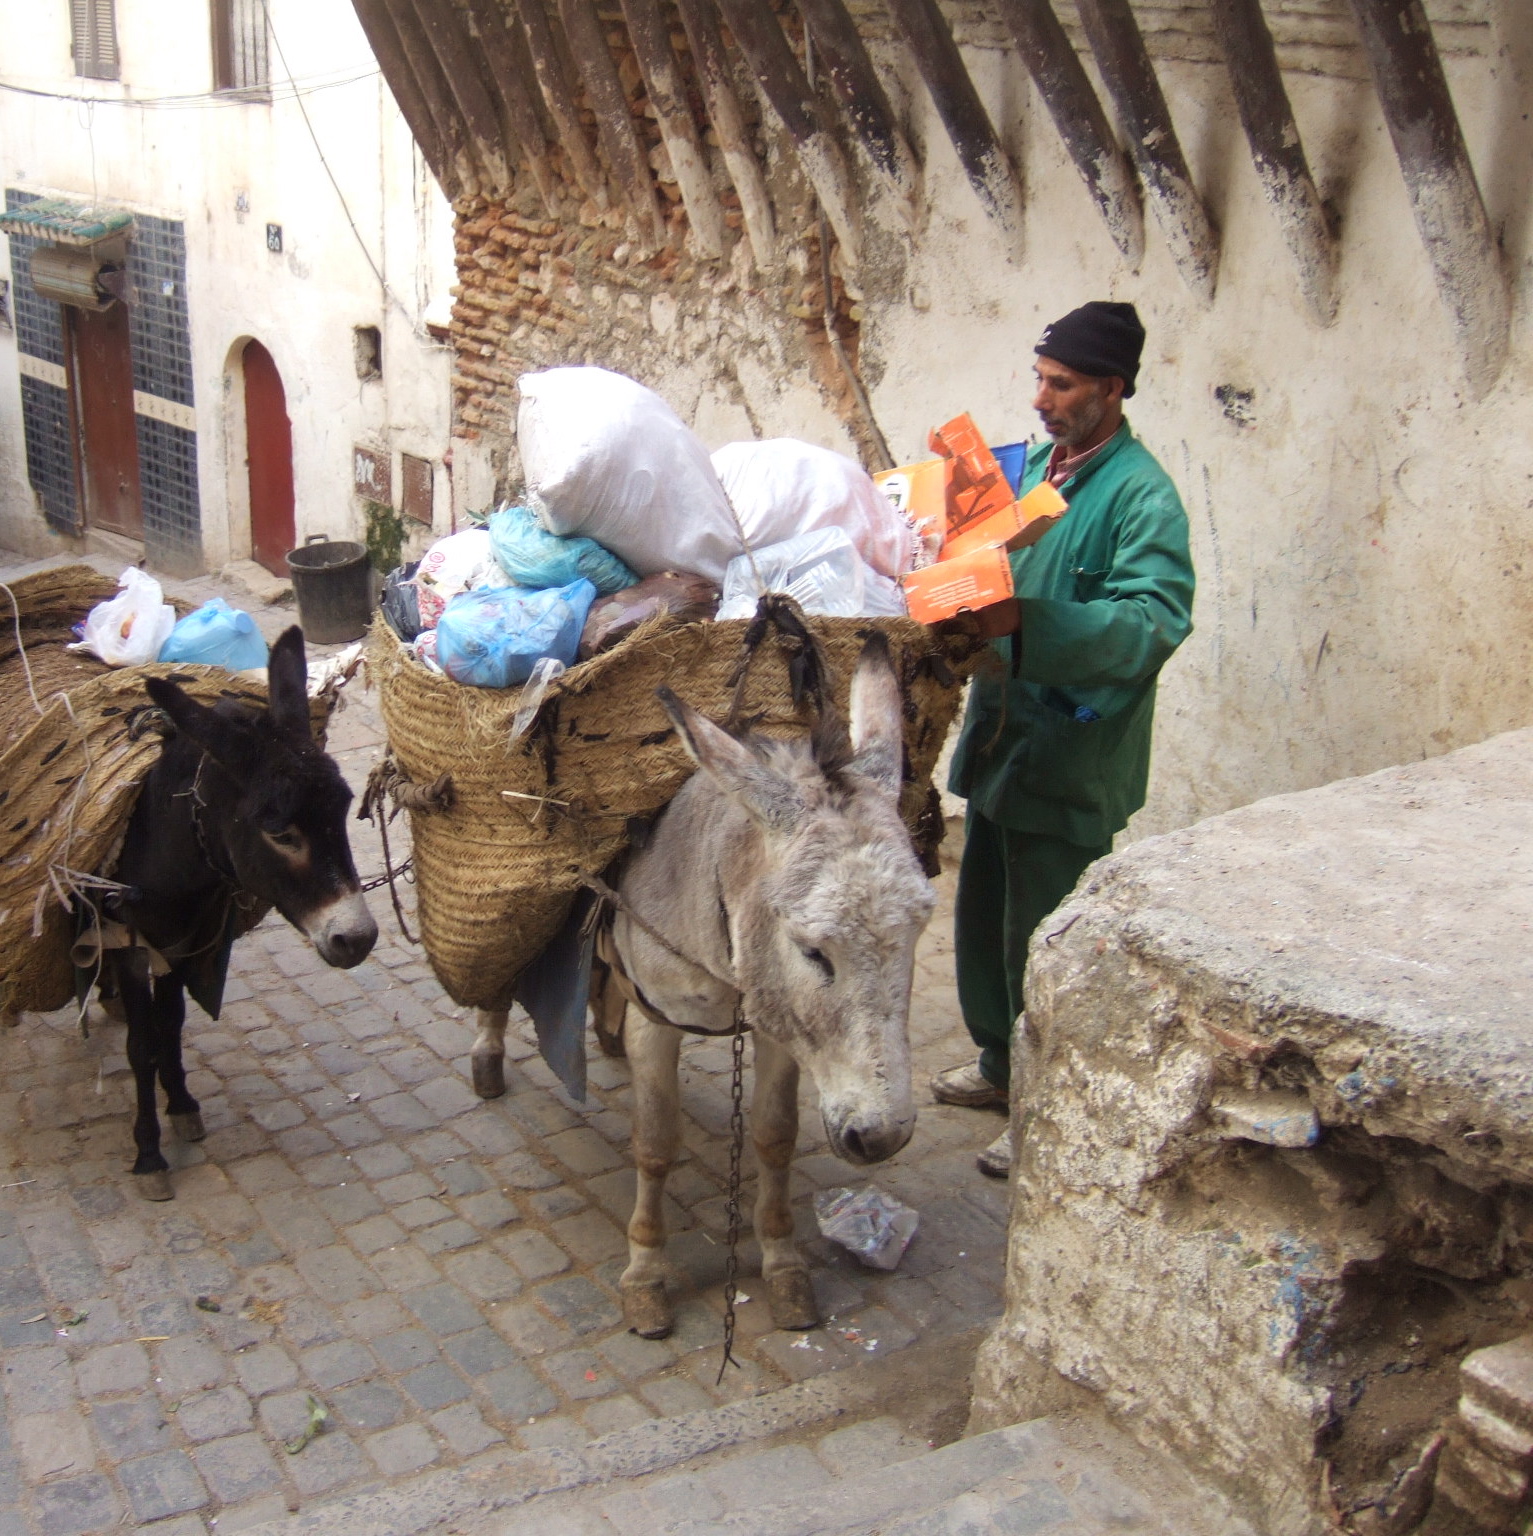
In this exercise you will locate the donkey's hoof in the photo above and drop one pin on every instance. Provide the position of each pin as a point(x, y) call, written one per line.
point(790, 1295)
point(189, 1127)
point(154, 1186)
point(610, 1040)
point(645, 1309)
point(489, 1075)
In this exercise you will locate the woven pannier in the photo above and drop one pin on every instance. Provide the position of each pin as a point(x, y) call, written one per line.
point(74, 751)
point(497, 870)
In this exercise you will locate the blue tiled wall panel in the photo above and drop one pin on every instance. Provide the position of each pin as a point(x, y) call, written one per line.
point(167, 475)
point(50, 465)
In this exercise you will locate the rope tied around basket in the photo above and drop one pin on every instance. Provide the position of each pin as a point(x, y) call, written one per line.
point(389, 782)
point(807, 671)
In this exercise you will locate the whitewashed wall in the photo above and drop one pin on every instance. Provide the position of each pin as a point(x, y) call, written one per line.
point(193, 162)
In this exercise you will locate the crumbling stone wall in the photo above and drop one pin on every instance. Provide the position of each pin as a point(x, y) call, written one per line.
point(1275, 1127)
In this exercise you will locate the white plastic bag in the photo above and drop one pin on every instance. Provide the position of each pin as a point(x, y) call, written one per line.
point(608, 458)
point(867, 1222)
point(782, 487)
point(462, 562)
point(821, 571)
point(129, 629)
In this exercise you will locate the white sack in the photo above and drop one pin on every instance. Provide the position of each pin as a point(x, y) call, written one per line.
point(781, 487)
point(608, 458)
point(129, 629)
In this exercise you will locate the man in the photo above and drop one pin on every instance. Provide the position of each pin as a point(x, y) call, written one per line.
point(1055, 749)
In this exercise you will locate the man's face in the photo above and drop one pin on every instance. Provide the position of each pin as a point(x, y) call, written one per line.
point(1072, 405)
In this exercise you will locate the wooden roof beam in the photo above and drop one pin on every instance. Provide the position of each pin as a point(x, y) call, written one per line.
point(505, 51)
point(1444, 195)
point(1141, 107)
point(1062, 82)
point(980, 152)
point(383, 39)
point(559, 98)
point(448, 40)
point(651, 38)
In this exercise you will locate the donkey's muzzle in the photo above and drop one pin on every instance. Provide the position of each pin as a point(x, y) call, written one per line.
point(344, 933)
point(869, 1141)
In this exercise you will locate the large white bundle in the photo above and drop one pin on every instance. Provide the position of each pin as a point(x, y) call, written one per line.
point(608, 458)
point(781, 488)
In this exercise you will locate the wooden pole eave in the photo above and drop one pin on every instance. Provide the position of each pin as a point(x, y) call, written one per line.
point(1066, 90)
point(559, 98)
point(980, 151)
point(505, 52)
point(448, 39)
point(383, 38)
point(786, 93)
point(1118, 47)
point(1444, 194)
point(651, 39)
point(437, 95)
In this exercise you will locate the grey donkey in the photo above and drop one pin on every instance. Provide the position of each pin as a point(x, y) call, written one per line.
point(781, 882)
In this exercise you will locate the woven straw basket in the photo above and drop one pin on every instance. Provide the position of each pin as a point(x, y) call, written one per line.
point(496, 873)
point(70, 771)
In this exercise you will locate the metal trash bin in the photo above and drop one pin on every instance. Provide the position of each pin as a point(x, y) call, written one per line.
point(333, 582)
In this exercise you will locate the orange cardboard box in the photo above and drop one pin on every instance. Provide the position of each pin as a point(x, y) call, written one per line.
point(919, 491)
point(969, 581)
point(1015, 526)
point(977, 487)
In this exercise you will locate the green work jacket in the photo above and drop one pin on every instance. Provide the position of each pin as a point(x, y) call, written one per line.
point(1062, 746)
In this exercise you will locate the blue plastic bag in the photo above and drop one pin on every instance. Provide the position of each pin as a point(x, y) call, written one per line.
point(533, 557)
point(493, 637)
point(217, 636)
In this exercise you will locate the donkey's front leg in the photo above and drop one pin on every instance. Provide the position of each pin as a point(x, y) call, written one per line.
point(488, 1057)
point(169, 1021)
point(653, 1053)
point(150, 1167)
point(774, 1134)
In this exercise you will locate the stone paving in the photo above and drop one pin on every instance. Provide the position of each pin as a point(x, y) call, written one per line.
point(359, 1231)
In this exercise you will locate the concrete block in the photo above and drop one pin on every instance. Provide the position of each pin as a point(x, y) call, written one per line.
point(162, 1485)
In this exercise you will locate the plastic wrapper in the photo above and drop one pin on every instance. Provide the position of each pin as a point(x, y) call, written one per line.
point(462, 562)
point(867, 1222)
point(687, 598)
point(400, 602)
point(533, 557)
point(128, 630)
point(608, 458)
point(821, 571)
point(216, 635)
point(534, 691)
point(782, 487)
point(493, 637)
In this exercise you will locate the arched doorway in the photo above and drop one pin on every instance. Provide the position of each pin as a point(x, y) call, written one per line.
point(269, 453)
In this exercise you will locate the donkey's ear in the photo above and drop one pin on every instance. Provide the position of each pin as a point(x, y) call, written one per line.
point(219, 738)
point(878, 737)
point(287, 685)
point(764, 793)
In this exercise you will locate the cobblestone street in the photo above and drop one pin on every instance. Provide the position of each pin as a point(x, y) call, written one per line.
point(359, 1231)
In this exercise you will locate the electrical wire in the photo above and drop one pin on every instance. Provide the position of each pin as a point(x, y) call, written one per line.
point(201, 100)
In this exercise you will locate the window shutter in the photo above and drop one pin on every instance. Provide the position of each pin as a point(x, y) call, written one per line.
point(95, 38)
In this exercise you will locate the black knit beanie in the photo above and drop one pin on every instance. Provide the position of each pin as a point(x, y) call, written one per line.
point(1101, 340)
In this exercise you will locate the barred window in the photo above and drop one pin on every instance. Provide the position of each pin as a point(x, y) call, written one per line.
point(95, 38)
point(239, 46)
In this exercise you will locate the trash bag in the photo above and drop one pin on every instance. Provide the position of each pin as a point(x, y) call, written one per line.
point(217, 636)
point(867, 1222)
point(462, 562)
point(685, 597)
point(492, 638)
point(400, 603)
point(533, 557)
point(129, 629)
point(821, 571)
point(782, 487)
point(606, 457)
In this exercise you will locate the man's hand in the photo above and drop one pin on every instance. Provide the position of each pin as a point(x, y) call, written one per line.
point(991, 623)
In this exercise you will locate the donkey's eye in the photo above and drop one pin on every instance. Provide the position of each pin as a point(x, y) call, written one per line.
point(289, 840)
point(818, 959)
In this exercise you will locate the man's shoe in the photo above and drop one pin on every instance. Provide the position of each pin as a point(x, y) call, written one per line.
point(995, 1160)
point(967, 1087)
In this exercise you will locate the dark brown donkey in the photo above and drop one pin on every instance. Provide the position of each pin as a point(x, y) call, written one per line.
point(242, 811)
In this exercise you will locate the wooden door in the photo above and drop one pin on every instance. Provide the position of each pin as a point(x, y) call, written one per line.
point(102, 372)
point(269, 449)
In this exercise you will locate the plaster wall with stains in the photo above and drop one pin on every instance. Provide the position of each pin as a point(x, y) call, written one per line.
point(1362, 528)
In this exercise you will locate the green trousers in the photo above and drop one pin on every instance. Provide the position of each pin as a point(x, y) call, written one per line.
point(1008, 882)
